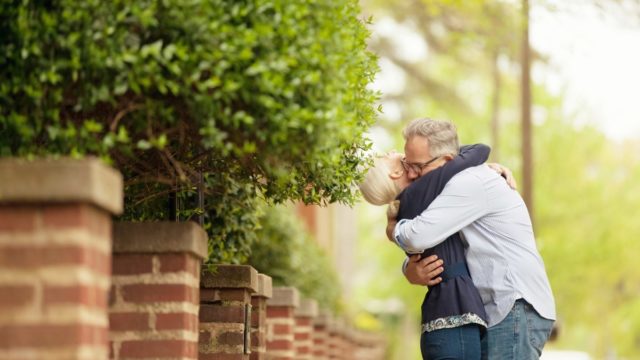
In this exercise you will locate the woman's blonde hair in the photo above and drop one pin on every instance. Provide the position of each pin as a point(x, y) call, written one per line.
point(378, 188)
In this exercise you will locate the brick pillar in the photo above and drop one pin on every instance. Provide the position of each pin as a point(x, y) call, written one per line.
point(225, 312)
point(304, 315)
point(321, 325)
point(281, 323)
point(259, 318)
point(156, 278)
point(55, 255)
point(334, 339)
point(370, 346)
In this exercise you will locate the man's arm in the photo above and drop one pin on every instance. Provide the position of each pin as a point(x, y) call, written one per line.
point(461, 202)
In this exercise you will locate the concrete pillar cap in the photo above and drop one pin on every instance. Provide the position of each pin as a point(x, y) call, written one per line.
point(285, 296)
point(160, 237)
point(307, 308)
point(62, 180)
point(265, 287)
point(324, 318)
point(229, 276)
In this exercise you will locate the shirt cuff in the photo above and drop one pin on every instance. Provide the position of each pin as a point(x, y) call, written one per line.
point(397, 234)
point(404, 265)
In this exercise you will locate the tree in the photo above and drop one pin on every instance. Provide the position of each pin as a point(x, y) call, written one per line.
point(244, 101)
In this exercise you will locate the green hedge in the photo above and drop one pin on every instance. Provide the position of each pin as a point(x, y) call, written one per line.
point(287, 253)
point(267, 99)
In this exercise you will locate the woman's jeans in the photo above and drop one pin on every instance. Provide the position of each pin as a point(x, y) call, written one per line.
point(460, 343)
point(520, 336)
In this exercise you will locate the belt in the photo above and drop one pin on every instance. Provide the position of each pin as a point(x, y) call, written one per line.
point(455, 270)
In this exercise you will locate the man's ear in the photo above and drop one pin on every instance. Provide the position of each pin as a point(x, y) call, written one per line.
point(448, 157)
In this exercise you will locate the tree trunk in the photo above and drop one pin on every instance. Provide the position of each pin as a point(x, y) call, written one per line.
point(527, 168)
point(495, 109)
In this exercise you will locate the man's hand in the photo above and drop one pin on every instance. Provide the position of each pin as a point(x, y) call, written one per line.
point(505, 173)
point(425, 271)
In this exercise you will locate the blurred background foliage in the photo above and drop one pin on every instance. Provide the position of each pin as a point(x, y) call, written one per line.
point(586, 192)
point(288, 253)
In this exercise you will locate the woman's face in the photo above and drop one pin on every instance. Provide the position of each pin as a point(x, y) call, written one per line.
point(398, 174)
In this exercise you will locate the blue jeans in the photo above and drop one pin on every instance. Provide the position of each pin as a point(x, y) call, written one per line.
point(460, 343)
point(520, 336)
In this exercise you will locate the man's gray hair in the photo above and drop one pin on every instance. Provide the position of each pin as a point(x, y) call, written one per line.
point(441, 135)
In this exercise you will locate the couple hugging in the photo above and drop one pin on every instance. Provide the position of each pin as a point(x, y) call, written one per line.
point(468, 236)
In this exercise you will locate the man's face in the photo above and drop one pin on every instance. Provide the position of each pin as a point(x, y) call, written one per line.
point(416, 151)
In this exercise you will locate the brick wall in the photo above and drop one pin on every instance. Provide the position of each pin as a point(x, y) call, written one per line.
point(154, 300)
point(303, 333)
point(281, 323)
point(259, 318)
point(321, 324)
point(55, 254)
point(225, 312)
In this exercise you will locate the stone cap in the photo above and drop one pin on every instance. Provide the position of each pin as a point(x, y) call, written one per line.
point(229, 276)
point(284, 296)
point(307, 308)
point(265, 287)
point(324, 318)
point(160, 237)
point(86, 180)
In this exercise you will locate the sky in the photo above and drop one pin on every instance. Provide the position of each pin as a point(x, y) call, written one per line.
point(595, 58)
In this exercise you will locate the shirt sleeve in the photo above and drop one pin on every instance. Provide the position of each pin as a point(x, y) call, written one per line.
point(462, 201)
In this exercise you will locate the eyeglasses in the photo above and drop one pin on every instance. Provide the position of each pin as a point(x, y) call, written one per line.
point(416, 167)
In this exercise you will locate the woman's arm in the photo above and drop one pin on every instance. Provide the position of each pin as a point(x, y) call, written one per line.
point(417, 197)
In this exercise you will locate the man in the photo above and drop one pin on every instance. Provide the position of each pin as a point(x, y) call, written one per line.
point(502, 257)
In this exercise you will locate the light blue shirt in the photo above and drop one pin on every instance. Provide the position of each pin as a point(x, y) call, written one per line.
point(503, 260)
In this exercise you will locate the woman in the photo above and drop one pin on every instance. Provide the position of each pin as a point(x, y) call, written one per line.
point(453, 316)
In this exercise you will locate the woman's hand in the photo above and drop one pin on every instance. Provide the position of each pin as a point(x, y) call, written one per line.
point(505, 173)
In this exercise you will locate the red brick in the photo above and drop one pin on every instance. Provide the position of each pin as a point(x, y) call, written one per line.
point(302, 336)
point(130, 321)
point(209, 295)
point(177, 321)
point(76, 215)
point(111, 297)
point(230, 338)
point(204, 338)
point(142, 293)
point(221, 314)
point(257, 355)
point(303, 350)
point(179, 263)
point(45, 335)
point(258, 339)
point(16, 295)
point(158, 349)
point(239, 295)
point(221, 356)
point(279, 345)
point(28, 257)
point(16, 218)
point(132, 264)
point(279, 312)
point(91, 296)
point(304, 321)
point(258, 317)
point(280, 329)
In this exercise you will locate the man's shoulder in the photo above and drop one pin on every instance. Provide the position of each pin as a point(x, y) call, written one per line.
point(474, 173)
point(471, 178)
